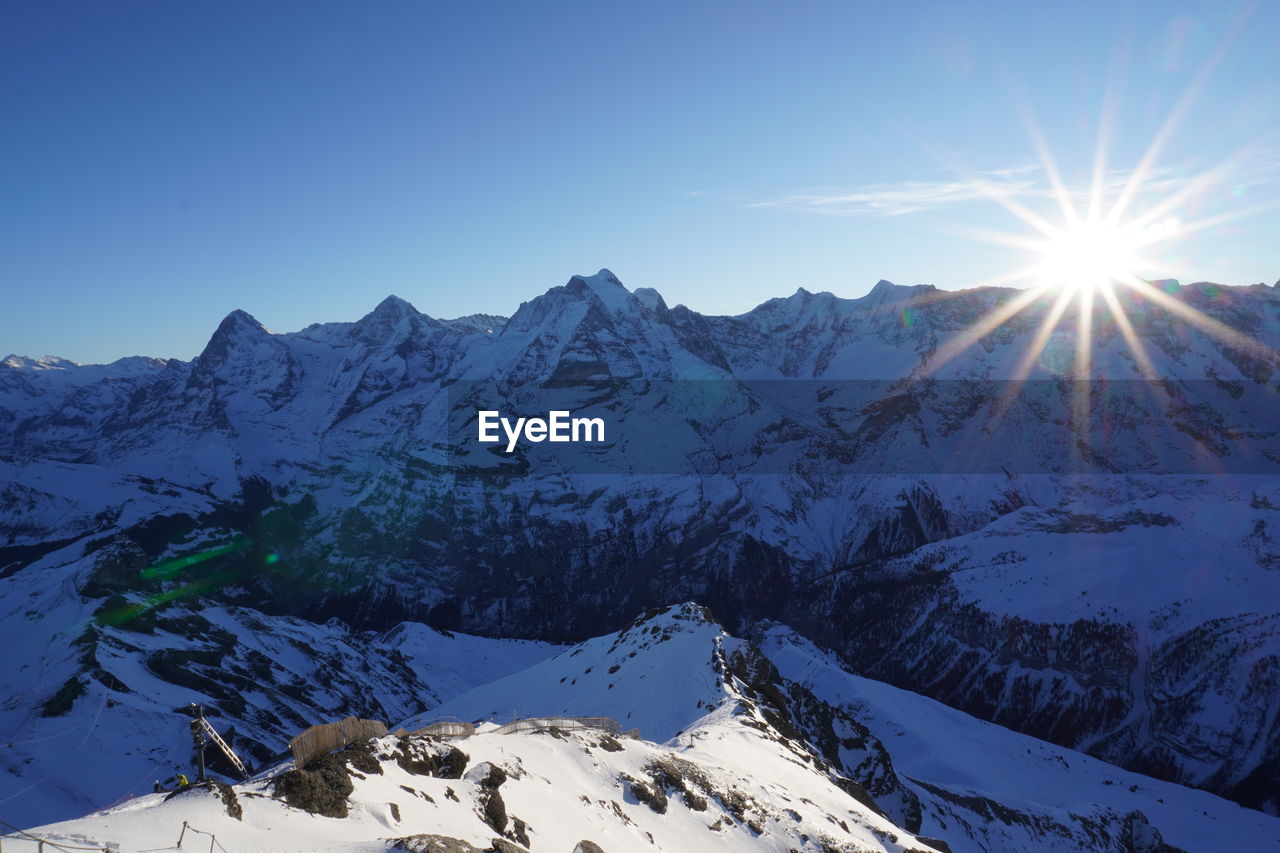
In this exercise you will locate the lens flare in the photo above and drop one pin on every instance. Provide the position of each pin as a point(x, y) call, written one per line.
point(1089, 255)
point(1095, 254)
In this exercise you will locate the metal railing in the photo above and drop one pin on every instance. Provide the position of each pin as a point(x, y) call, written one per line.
point(213, 839)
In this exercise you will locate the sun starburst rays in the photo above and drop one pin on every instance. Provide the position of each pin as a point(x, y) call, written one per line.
point(1100, 249)
point(1089, 300)
point(1093, 256)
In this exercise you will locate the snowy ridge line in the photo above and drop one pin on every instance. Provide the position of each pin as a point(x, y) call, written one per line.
point(770, 746)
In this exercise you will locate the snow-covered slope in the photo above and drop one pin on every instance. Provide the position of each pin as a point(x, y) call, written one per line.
point(527, 791)
point(982, 787)
point(936, 771)
point(772, 746)
point(658, 674)
point(95, 689)
point(733, 781)
point(1143, 631)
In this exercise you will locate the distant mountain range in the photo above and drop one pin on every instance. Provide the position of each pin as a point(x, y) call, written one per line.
point(270, 528)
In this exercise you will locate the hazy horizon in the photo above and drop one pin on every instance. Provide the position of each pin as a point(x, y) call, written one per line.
point(508, 313)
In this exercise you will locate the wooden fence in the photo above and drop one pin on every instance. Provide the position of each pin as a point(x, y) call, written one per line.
point(537, 723)
point(447, 729)
point(318, 740)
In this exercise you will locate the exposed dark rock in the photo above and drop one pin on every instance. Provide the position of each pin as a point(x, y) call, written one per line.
point(321, 789)
point(649, 794)
point(1140, 836)
point(502, 845)
point(674, 774)
point(228, 796)
point(493, 776)
point(610, 744)
point(423, 757)
point(519, 831)
point(433, 844)
point(221, 790)
point(360, 756)
point(61, 701)
point(493, 811)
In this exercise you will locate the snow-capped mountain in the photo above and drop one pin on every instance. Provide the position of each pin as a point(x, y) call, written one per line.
point(734, 746)
point(1101, 575)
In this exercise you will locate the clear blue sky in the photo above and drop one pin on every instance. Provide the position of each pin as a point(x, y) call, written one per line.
point(163, 163)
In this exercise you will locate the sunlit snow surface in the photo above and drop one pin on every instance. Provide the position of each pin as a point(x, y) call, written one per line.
point(660, 675)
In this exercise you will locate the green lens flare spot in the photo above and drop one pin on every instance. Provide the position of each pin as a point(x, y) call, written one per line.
point(174, 567)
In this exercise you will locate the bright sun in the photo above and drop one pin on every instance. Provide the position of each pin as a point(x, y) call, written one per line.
point(1087, 256)
point(1098, 247)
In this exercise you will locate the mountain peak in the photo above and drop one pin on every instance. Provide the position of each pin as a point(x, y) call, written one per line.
point(606, 287)
point(800, 301)
point(235, 322)
point(602, 282)
point(382, 321)
point(606, 274)
point(687, 611)
point(240, 318)
point(393, 306)
point(476, 324)
point(885, 291)
point(650, 298)
point(235, 330)
point(48, 362)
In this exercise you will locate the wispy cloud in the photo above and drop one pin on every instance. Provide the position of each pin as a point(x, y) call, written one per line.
point(1023, 182)
point(896, 199)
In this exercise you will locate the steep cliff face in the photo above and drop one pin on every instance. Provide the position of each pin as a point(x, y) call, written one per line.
point(1096, 569)
point(1109, 631)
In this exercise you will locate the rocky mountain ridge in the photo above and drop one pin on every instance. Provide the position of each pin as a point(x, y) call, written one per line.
point(763, 745)
point(1115, 593)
